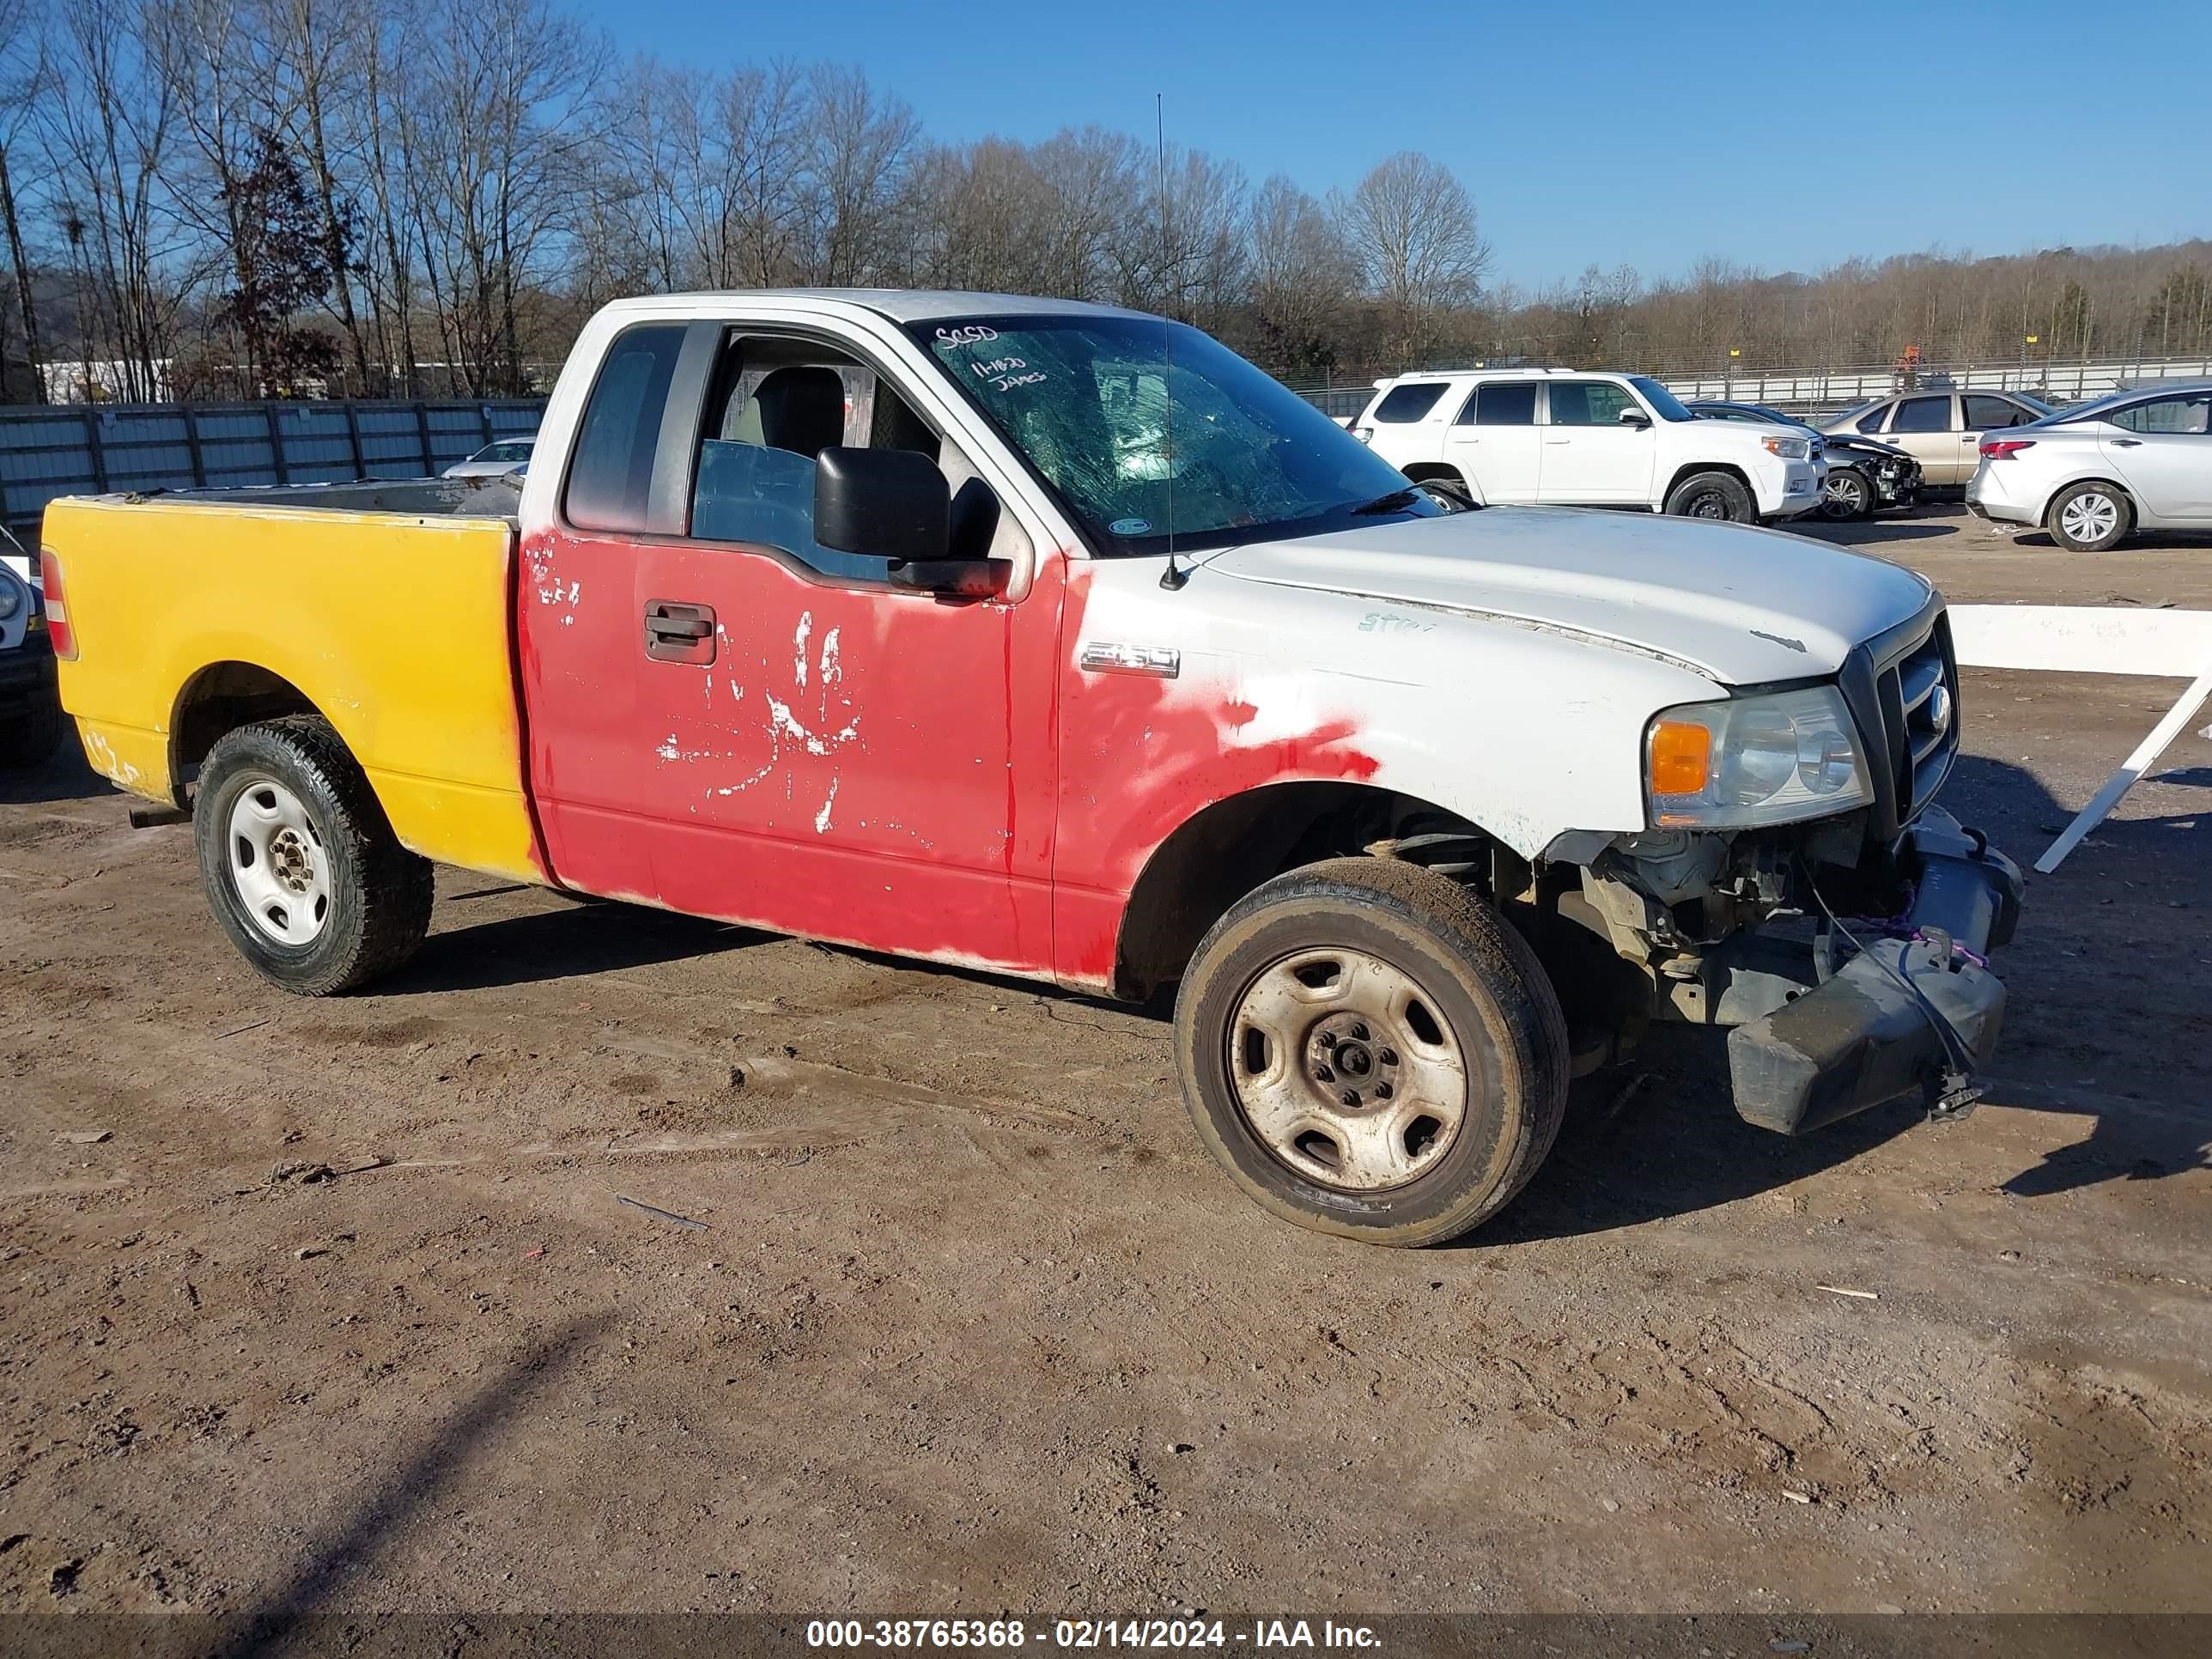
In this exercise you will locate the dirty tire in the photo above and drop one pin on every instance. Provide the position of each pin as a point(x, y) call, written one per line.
point(1847, 495)
point(1490, 1001)
point(2089, 517)
point(379, 893)
point(1713, 495)
point(30, 738)
point(1450, 485)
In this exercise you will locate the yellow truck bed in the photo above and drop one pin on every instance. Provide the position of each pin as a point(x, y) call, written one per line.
point(394, 626)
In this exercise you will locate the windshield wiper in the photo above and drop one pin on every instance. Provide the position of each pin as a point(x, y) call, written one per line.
point(1393, 502)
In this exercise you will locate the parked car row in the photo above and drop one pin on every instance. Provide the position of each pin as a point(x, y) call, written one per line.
point(1567, 437)
point(1942, 430)
point(1858, 476)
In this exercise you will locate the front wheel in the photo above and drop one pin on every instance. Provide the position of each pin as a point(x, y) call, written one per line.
point(2089, 518)
point(1449, 488)
point(1369, 1050)
point(1713, 495)
point(299, 863)
point(1846, 494)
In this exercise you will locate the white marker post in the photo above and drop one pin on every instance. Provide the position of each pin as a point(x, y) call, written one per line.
point(2095, 640)
point(2120, 782)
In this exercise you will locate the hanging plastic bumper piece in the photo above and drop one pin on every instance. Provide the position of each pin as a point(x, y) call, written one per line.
point(1912, 1015)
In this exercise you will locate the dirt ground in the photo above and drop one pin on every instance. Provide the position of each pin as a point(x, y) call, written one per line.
point(339, 1305)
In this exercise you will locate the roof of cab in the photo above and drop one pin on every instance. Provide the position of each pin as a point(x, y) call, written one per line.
point(899, 304)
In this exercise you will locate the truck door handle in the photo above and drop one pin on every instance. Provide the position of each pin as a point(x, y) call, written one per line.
point(1556, 441)
point(679, 633)
point(2127, 443)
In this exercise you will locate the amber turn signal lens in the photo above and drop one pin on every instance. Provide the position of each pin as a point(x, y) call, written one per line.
point(1680, 753)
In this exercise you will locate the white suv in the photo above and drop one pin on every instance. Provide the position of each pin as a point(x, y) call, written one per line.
point(1570, 438)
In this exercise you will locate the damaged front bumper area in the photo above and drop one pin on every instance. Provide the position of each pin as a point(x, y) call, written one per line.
point(1914, 1012)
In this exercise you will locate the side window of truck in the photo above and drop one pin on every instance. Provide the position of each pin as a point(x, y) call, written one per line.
point(610, 475)
point(772, 407)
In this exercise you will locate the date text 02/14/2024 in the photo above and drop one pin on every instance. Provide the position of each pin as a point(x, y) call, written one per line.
point(1086, 1633)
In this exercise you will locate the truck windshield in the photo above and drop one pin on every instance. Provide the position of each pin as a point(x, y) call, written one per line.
point(1145, 428)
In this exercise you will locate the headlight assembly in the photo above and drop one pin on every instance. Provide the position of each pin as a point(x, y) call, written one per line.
point(11, 595)
point(1790, 449)
point(1770, 758)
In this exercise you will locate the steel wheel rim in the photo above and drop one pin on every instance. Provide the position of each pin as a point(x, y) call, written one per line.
point(1345, 1070)
point(2089, 518)
point(1707, 504)
point(278, 866)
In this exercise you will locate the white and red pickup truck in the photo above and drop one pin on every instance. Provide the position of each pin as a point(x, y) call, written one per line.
point(1057, 641)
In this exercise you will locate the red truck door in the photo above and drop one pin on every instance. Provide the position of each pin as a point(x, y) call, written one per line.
point(727, 718)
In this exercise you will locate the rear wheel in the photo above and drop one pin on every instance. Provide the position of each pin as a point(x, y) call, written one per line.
point(2089, 518)
point(1369, 1050)
point(1713, 495)
point(1846, 494)
point(299, 863)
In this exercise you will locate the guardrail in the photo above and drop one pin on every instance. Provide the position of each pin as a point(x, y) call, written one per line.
point(1835, 389)
point(1829, 391)
point(84, 449)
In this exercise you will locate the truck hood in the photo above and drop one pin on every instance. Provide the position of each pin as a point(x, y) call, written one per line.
point(1738, 604)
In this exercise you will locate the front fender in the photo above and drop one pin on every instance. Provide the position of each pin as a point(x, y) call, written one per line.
point(1527, 733)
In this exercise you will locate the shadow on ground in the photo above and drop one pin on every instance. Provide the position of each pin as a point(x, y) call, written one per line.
point(284, 1620)
point(568, 942)
point(65, 777)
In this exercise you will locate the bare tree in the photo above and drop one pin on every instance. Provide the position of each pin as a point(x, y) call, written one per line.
point(22, 75)
point(858, 145)
point(1413, 225)
point(1304, 281)
point(107, 131)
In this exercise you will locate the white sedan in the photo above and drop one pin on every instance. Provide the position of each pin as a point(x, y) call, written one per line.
point(494, 460)
point(2136, 460)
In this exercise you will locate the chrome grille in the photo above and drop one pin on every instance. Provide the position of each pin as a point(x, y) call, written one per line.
point(1919, 693)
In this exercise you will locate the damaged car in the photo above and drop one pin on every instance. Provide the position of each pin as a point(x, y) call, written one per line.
point(1055, 640)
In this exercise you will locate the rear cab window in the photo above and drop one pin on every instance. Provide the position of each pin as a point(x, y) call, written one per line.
point(610, 482)
point(1402, 405)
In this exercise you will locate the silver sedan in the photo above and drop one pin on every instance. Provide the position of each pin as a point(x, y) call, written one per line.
point(494, 460)
point(2139, 459)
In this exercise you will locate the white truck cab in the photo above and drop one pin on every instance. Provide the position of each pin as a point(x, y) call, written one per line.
point(1571, 437)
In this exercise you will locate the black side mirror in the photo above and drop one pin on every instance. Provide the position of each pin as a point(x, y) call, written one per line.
point(885, 503)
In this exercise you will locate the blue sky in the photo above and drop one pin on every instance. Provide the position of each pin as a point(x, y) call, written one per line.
point(1777, 135)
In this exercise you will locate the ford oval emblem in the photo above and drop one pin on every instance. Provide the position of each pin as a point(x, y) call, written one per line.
point(1939, 709)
